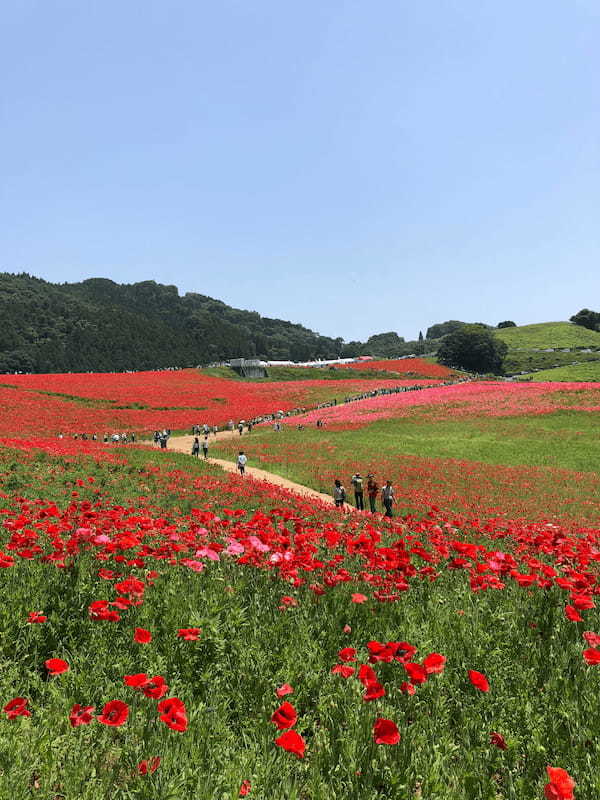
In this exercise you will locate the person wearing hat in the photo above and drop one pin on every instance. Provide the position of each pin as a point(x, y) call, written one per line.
point(372, 491)
point(357, 482)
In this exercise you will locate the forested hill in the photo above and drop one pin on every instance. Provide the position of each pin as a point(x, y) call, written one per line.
point(100, 325)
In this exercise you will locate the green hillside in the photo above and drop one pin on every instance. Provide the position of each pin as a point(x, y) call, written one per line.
point(548, 334)
point(589, 371)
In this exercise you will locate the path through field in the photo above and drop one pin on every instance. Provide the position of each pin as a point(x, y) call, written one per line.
point(183, 444)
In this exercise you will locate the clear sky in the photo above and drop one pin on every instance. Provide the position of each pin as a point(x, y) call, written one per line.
point(354, 166)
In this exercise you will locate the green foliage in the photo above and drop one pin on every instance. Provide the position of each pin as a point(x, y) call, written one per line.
point(508, 323)
point(587, 319)
point(443, 328)
point(473, 348)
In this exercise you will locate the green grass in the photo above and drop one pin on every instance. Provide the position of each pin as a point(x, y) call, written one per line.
point(548, 334)
point(589, 371)
point(530, 360)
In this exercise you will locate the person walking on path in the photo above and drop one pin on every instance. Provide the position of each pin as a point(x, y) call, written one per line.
point(205, 447)
point(387, 498)
point(372, 491)
point(240, 427)
point(241, 462)
point(196, 447)
point(339, 494)
point(357, 483)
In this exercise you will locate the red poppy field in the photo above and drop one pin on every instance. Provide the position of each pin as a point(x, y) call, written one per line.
point(38, 405)
point(168, 630)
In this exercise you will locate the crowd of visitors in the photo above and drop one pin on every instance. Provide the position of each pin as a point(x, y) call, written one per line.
point(373, 492)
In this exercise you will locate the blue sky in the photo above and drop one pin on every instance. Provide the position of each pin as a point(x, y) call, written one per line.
point(357, 167)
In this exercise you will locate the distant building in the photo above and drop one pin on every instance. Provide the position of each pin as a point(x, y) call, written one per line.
point(249, 367)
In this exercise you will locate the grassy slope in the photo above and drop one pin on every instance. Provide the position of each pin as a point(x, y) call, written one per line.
point(548, 334)
point(589, 371)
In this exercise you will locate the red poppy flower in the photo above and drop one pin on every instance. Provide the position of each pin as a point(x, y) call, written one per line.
point(366, 675)
point(560, 786)
point(572, 614)
point(592, 656)
point(189, 634)
point(283, 690)
point(147, 767)
point(385, 731)
point(155, 687)
point(292, 742)
point(479, 680)
point(142, 636)
point(374, 691)
point(498, 740)
point(343, 669)
point(245, 788)
point(582, 602)
point(434, 663)
point(173, 713)
point(407, 688)
point(139, 680)
point(114, 713)
point(357, 597)
point(17, 707)
point(81, 715)
point(285, 716)
point(416, 673)
point(56, 666)
point(347, 654)
point(36, 617)
point(592, 639)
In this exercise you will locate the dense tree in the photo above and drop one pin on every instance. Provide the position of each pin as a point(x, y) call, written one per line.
point(385, 344)
point(473, 348)
point(443, 328)
point(587, 319)
point(508, 323)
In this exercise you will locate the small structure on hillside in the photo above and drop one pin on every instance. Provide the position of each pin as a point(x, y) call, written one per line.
point(249, 367)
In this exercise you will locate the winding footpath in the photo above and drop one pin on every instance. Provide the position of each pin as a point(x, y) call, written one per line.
point(183, 444)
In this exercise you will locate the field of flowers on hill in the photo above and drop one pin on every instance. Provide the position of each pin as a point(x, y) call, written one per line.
point(171, 631)
point(409, 366)
point(145, 401)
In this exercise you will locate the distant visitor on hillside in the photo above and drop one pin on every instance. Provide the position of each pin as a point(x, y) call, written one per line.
point(372, 491)
point(241, 427)
point(196, 447)
point(387, 498)
point(339, 493)
point(242, 461)
point(357, 483)
point(205, 447)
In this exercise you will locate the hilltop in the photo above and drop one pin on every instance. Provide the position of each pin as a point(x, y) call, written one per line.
point(548, 334)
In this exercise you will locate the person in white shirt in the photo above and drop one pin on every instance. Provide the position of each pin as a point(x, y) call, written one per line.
point(241, 462)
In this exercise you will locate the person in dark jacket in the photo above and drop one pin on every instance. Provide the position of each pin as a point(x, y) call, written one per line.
point(372, 491)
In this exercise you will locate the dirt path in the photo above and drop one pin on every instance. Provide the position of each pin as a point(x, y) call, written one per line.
point(183, 444)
